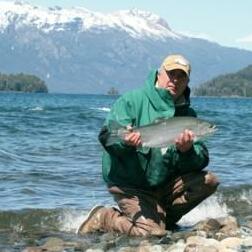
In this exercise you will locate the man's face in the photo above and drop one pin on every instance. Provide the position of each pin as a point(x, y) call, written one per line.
point(175, 81)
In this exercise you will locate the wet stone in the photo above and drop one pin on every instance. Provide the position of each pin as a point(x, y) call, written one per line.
point(208, 225)
point(232, 242)
point(155, 248)
point(103, 246)
point(54, 244)
point(94, 250)
point(177, 247)
point(126, 249)
point(247, 242)
point(34, 249)
point(125, 240)
point(200, 248)
point(198, 240)
point(182, 235)
point(229, 226)
point(202, 241)
point(248, 222)
point(108, 237)
point(165, 240)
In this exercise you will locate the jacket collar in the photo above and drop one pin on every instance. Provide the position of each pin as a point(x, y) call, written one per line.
point(160, 99)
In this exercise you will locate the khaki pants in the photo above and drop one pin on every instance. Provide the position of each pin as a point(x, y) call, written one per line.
point(152, 212)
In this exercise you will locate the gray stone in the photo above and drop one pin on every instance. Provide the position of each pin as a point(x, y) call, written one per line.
point(182, 235)
point(94, 250)
point(229, 225)
point(247, 242)
point(34, 249)
point(155, 248)
point(108, 236)
point(165, 240)
point(177, 247)
point(126, 249)
point(249, 224)
point(232, 243)
point(208, 225)
point(200, 248)
point(54, 244)
point(125, 241)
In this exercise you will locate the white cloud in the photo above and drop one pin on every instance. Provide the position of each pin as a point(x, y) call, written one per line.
point(246, 39)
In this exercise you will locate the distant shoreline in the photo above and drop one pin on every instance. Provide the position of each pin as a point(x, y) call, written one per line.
point(115, 96)
point(23, 92)
point(25, 83)
point(224, 97)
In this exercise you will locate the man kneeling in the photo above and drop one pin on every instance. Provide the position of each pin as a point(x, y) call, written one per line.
point(153, 187)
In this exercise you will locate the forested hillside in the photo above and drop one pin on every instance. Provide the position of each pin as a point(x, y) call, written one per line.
point(236, 84)
point(22, 83)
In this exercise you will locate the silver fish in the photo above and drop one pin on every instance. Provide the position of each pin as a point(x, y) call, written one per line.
point(163, 133)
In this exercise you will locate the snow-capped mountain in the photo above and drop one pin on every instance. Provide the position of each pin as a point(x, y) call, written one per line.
point(135, 22)
point(78, 50)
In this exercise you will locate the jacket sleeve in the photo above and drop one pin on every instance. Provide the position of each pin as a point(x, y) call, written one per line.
point(197, 158)
point(122, 113)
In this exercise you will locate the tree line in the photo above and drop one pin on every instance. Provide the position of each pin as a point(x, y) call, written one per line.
point(235, 84)
point(22, 83)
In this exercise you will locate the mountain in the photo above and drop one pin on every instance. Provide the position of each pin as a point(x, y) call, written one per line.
point(235, 84)
point(80, 51)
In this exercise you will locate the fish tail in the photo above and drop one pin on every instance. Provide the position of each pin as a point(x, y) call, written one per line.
point(112, 139)
point(114, 133)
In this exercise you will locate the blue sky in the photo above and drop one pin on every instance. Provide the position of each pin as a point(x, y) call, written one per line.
point(227, 22)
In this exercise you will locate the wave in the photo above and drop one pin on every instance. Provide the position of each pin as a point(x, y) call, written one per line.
point(37, 220)
point(213, 207)
point(238, 193)
point(7, 155)
point(235, 200)
point(38, 108)
point(105, 109)
point(221, 204)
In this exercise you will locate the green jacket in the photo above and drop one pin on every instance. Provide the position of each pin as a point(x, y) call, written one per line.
point(143, 167)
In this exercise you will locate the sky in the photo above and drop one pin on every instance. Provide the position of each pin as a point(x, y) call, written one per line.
point(227, 22)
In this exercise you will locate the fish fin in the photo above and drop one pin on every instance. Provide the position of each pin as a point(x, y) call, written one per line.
point(114, 125)
point(159, 120)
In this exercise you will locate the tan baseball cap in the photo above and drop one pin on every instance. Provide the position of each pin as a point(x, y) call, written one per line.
point(176, 61)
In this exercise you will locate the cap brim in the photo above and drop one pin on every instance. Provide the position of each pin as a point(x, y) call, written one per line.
point(175, 67)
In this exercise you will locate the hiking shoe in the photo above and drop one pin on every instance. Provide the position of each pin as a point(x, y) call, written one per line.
point(92, 223)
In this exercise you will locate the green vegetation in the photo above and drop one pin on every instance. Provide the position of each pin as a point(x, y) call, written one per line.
point(236, 84)
point(22, 83)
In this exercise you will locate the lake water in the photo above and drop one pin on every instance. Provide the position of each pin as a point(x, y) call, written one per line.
point(50, 162)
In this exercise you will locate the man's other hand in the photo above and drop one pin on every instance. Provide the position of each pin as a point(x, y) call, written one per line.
point(185, 141)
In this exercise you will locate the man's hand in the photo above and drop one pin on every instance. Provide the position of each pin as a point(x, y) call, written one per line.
point(185, 141)
point(132, 138)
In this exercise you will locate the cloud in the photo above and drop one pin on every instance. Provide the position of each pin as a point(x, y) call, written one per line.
point(246, 39)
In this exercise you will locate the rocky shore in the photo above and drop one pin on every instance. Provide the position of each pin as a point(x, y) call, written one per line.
point(211, 235)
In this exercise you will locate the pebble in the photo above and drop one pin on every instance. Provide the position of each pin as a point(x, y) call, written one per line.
point(212, 235)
